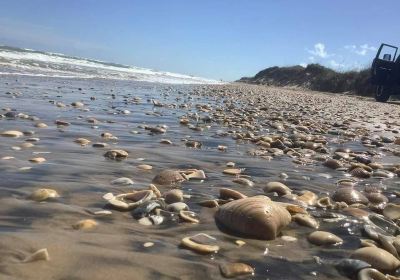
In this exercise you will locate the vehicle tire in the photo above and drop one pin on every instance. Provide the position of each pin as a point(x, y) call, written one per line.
point(382, 93)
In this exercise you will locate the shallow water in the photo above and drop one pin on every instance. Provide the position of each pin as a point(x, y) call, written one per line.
point(114, 250)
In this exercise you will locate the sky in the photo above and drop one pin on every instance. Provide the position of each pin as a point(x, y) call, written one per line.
point(219, 39)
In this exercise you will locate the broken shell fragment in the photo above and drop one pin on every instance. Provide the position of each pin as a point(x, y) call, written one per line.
point(128, 201)
point(39, 255)
point(230, 270)
point(37, 160)
point(200, 243)
point(188, 216)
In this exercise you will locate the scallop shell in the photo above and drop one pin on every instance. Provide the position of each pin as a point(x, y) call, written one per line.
point(256, 217)
point(168, 177)
point(349, 195)
point(377, 258)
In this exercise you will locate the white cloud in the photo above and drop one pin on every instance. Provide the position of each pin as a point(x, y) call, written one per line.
point(336, 65)
point(319, 50)
point(360, 50)
point(303, 64)
point(311, 58)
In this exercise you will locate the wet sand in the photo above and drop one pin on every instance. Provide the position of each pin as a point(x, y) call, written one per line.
point(235, 116)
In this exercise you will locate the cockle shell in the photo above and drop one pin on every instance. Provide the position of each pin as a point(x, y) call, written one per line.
point(168, 177)
point(256, 217)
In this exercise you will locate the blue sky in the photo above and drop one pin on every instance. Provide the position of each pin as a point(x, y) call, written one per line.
point(221, 39)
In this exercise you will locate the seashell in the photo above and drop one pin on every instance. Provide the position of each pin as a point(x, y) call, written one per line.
point(278, 187)
point(230, 164)
point(324, 238)
point(61, 122)
point(209, 203)
point(232, 171)
point(377, 198)
point(82, 141)
point(177, 207)
point(371, 274)
point(43, 194)
point(40, 125)
point(172, 196)
point(377, 258)
point(145, 167)
point(12, 133)
point(368, 243)
point(230, 270)
point(99, 145)
point(386, 225)
point(356, 212)
point(225, 193)
point(333, 163)
point(305, 220)
point(122, 181)
point(37, 160)
point(39, 255)
point(325, 202)
point(392, 211)
point(26, 145)
point(128, 201)
point(360, 173)
point(146, 208)
point(256, 217)
point(350, 267)
point(349, 195)
point(166, 141)
point(116, 154)
point(200, 243)
point(194, 174)
point(387, 244)
point(148, 244)
point(308, 197)
point(77, 104)
point(188, 216)
point(85, 224)
point(155, 190)
point(244, 182)
point(168, 177)
point(294, 209)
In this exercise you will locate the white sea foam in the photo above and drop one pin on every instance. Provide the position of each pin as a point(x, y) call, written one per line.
point(15, 61)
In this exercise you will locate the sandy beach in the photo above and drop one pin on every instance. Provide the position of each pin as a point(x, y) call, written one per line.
point(57, 134)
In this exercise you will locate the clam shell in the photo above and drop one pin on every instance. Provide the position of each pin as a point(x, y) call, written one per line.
point(168, 177)
point(256, 217)
point(116, 154)
point(230, 270)
point(377, 258)
point(82, 141)
point(333, 163)
point(244, 182)
point(305, 220)
point(349, 195)
point(225, 193)
point(173, 196)
point(43, 194)
point(350, 267)
point(12, 133)
point(212, 203)
point(232, 171)
point(371, 274)
point(392, 211)
point(324, 238)
point(308, 197)
point(278, 187)
point(85, 224)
